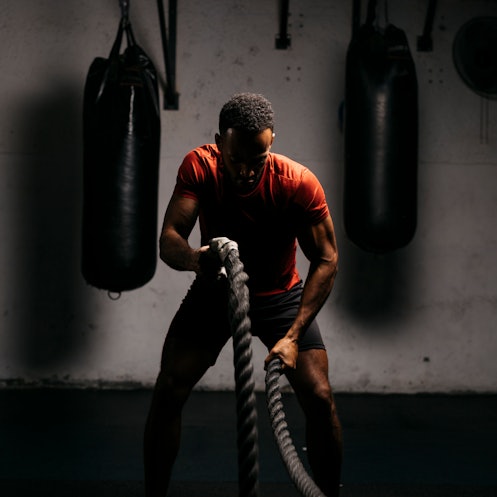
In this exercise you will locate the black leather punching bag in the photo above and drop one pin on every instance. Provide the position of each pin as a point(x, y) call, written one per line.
point(381, 139)
point(121, 144)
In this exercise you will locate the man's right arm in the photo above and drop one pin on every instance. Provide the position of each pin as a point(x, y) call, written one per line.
point(179, 220)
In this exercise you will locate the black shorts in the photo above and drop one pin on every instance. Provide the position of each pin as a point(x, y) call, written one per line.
point(202, 319)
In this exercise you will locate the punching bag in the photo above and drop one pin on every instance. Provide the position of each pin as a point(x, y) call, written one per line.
point(381, 139)
point(121, 145)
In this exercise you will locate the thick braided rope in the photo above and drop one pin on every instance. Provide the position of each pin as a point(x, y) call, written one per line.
point(294, 466)
point(248, 453)
point(248, 464)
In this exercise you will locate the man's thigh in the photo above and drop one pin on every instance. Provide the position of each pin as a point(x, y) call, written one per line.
point(198, 331)
point(272, 316)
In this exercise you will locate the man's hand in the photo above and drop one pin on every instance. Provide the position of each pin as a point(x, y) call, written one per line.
point(211, 257)
point(209, 262)
point(287, 350)
point(222, 246)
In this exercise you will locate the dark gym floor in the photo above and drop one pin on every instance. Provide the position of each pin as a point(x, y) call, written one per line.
point(82, 443)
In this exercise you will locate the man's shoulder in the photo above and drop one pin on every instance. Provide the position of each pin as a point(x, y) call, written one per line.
point(201, 160)
point(286, 167)
point(208, 152)
point(298, 183)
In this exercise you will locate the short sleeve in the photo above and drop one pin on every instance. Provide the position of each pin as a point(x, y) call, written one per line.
point(311, 198)
point(191, 175)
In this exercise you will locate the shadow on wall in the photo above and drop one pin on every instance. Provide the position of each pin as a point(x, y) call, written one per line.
point(375, 288)
point(47, 225)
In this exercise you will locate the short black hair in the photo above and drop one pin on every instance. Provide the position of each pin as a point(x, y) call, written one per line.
point(249, 112)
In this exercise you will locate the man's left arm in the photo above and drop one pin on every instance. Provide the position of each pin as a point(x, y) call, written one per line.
point(318, 243)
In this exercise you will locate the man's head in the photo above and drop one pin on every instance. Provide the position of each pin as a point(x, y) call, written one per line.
point(248, 112)
point(246, 124)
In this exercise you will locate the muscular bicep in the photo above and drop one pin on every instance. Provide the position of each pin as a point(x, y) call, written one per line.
point(318, 242)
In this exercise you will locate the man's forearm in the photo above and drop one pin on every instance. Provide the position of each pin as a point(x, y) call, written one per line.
point(317, 288)
point(176, 252)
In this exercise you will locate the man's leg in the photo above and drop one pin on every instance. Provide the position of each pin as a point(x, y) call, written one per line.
point(182, 369)
point(323, 431)
point(197, 334)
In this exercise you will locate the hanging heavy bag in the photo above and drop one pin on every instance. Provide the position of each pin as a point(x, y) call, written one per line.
point(121, 142)
point(381, 139)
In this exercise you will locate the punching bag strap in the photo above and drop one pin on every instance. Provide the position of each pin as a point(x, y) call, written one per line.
point(116, 47)
point(113, 66)
point(124, 25)
point(129, 35)
point(373, 17)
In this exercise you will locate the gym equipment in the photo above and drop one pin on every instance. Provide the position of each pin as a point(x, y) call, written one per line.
point(381, 138)
point(248, 466)
point(475, 57)
point(121, 146)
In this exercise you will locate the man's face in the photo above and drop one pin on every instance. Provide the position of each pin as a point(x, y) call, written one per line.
point(244, 156)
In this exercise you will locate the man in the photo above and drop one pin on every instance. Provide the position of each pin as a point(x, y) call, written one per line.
point(265, 202)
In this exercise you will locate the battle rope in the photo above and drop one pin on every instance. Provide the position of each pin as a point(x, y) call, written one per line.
point(248, 453)
point(304, 483)
point(248, 465)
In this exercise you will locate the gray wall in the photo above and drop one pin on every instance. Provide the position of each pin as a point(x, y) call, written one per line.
point(422, 319)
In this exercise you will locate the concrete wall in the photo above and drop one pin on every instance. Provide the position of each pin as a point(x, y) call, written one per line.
point(422, 319)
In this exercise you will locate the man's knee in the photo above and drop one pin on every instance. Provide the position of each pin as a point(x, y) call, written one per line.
point(170, 392)
point(318, 400)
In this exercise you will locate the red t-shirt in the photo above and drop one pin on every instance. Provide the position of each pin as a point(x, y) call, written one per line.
point(264, 222)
